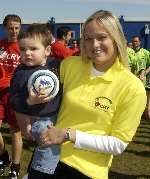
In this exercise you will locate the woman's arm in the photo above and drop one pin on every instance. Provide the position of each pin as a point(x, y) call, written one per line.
point(82, 140)
point(126, 120)
point(97, 143)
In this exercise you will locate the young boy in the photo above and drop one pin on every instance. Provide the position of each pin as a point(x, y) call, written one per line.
point(35, 49)
point(9, 60)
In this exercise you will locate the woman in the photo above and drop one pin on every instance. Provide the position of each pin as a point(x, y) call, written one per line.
point(102, 102)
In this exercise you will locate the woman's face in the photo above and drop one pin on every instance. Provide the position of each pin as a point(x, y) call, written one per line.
point(99, 46)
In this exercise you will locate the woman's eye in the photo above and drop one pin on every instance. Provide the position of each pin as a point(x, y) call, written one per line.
point(101, 38)
point(88, 38)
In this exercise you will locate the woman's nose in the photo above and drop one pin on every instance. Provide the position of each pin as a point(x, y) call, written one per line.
point(96, 42)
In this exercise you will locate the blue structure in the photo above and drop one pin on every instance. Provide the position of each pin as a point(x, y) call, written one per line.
point(75, 28)
point(140, 28)
point(3, 33)
point(130, 28)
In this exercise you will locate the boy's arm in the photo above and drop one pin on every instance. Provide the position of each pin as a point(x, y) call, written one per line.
point(18, 93)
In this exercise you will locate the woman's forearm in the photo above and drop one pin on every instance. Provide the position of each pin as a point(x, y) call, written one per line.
point(105, 144)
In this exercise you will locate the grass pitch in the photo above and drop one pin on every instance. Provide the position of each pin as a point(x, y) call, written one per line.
point(134, 163)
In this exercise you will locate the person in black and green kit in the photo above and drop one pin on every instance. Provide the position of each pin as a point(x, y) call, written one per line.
point(143, 68)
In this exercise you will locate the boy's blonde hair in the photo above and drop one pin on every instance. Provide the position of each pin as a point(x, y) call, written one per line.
point(113, 27)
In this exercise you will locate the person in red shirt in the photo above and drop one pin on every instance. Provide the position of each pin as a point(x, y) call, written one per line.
point(60, 49)
point(9, 60)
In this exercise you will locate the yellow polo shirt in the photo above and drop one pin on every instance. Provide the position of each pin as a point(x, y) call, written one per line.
point(111, 104)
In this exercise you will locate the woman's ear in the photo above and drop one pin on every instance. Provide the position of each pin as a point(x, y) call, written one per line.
point(48, 50)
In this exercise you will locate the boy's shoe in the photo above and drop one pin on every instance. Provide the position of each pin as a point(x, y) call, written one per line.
point(13, 175)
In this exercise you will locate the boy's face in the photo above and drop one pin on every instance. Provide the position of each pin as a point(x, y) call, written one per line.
point(33, 52)
point(13, 29)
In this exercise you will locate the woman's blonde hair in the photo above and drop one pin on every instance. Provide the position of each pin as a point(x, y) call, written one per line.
point(113, 27)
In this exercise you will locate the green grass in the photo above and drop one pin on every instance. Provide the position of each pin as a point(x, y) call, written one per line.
point(134, 163)
point(28, 148)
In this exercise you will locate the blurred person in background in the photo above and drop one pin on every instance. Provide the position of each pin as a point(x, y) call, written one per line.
point(9, 60)
point(143, 69)
point(60, 49)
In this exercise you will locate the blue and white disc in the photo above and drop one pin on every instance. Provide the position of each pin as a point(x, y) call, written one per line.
point(44, 80)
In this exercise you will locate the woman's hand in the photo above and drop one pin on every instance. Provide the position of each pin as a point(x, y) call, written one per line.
point(52, 135)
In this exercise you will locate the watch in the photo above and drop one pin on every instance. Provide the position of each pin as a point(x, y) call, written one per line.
point(67, 135)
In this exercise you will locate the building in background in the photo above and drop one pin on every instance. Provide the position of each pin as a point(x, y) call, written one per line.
point(139, 27)
point(131, 27)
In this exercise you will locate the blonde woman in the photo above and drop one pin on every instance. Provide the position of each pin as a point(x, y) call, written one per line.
point(100, 109)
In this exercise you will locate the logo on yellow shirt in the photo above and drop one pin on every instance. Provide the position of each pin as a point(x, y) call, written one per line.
point(103, 103)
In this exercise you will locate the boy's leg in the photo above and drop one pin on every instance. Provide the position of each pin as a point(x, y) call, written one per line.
point(24, 122)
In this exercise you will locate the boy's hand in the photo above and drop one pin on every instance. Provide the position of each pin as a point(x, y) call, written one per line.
point(37, 98)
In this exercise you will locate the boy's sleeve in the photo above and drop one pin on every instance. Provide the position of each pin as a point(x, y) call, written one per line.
point(17, 100)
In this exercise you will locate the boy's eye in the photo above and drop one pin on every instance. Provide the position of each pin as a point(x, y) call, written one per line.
point(33, 48)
